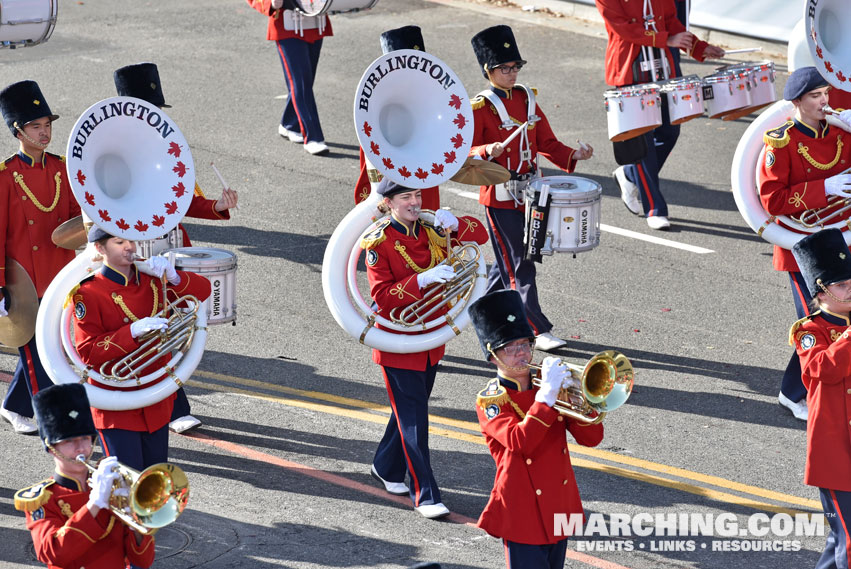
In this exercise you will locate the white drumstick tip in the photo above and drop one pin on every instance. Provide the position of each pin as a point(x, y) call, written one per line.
point(221, 179)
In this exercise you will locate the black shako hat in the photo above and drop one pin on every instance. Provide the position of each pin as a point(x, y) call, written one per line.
point(802, 81)
point(387, 188)
point(22, 103)
point(142, 81)
point(823, 257)
point(63, 413)
point(499, 318)
point(495, 46)
point(406, 37)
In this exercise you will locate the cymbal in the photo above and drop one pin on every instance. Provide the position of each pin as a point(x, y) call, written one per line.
point(71, 234)
point(477, 172)
point(22, 305)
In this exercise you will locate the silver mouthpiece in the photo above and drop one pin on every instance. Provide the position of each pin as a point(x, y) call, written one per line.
point(828, 110)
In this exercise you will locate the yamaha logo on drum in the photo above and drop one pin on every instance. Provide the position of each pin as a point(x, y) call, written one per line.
point(126, 107)
point(418, 62)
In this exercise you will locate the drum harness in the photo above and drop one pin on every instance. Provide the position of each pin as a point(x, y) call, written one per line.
point(515, 188)
point(298, 22)
point(648, 52)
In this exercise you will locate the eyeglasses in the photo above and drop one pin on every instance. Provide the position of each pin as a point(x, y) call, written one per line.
point(506, 69)
point(518, 349)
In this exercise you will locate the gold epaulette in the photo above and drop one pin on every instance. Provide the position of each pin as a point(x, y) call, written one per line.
point(493, 394)
point(70, 297)
point(6, 161)
point(377, 236)
point(477, 102)
point(535, 90)
point(61, 157)
point(32, 498)
point(198, 191)
point(797, 325)
point(778, 137)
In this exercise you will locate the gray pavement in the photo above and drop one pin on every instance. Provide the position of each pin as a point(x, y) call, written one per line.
point(280, 469)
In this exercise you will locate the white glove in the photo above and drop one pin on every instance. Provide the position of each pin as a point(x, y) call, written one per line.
point(443, 218)
point(149, 324)
point(438, 274)
point(3, 307)
point(568, 380)
point(157, 266)
point(838, 185)
point(102, 481)
point(553, 375)
point(277, 4)
point(845, 116)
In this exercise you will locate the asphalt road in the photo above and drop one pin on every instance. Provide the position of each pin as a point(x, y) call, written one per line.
point(293, 407)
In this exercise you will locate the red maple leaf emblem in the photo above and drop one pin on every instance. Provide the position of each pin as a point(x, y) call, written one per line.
point(367, 130)
point(421, 174)
point(104, 215)
point(81, 177)
point(840, 75)
point(449, 157)
point(403, 171)
point(170, 207)
point(457, 141)
point(375, 149)
point(436, 169)
point(122, 225)
point(179, 189)
point(180, 169)
point(90, 199)
point(174, 149)
point(828, 66)
point(819, 52)
point(158, 220)
point(460, 120)
point(388, 163)
point(813, 34)
point(455, 101)
point(141, 227)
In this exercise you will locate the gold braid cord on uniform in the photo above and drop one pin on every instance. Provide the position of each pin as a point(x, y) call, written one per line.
point(19, 179)
point(435, 246)
point(805, 152)
point(117, 299)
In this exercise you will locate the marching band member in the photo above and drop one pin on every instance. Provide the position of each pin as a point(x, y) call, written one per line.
point(403, 257)
point(142, 81)
point(35, 198)
point(821, 341)
point(71, 524)
point(803, 162)
point(112, 310)
point(526, 437)
point(298, 39)
point(634, 27)
point(406, 37)
point(506, 102)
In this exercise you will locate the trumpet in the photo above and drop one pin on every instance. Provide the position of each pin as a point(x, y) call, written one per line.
point(606, 382)
point(154, 498)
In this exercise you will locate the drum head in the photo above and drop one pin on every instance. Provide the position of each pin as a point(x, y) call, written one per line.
point(193, 258)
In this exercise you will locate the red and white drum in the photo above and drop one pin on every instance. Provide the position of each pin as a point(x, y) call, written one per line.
point(685, 98)
point(726, 90)
point(319, 7)
point(217, 265)
point(632, 111)
point(763, 89)
point(26, 22)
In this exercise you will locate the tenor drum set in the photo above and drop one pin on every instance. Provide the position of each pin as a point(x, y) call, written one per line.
point(25, 23)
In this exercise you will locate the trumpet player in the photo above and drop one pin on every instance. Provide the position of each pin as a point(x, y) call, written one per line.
point(527, 438)
point(68, 514)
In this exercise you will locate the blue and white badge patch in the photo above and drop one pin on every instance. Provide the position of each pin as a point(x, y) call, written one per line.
point(491, 411)
point(371, 257)
point(80, 310)
point(769, 158)
point(37, 514)
point(807, 341)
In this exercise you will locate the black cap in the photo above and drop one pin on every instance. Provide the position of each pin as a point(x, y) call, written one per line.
point(802, 81)
point(406, 37)
point(824, 257)
point(96, 234)
point(63, 413)
point(141, 81)
point(495, 46)
point(22, 103)
point(387, 188)
point(499, 318)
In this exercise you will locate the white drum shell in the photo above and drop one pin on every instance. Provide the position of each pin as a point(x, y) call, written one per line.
point(685, 98)
point(26, 22)
point(318, 7)
point(726, 92)
point(574, 215)
point(219, 267)
point(172, 240)
point(763, 89)
point(632, 111)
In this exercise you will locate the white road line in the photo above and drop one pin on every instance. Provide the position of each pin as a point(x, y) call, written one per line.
point(613, 229)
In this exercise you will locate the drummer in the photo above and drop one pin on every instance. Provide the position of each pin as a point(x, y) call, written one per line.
point(505, 100)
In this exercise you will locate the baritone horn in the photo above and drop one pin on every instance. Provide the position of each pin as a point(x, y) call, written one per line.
point(154, 498)
point(605, 384)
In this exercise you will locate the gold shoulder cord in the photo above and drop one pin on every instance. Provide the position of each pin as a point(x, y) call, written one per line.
point(437, 255)
point(19, 179)
point(117, 299)
point(805, 152)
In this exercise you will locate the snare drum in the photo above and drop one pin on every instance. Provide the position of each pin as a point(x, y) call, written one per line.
point(632, 111)
point(318, 7)
point(26, 22)
point(726, 90)
point(171, 240)
point(217, 265)
point(685, 100)
point(762, 89)
point(573, 222)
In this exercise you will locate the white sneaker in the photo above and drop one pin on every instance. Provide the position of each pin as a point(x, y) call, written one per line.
point(395, 488)
point(629, 191)
point(20, 424)
point(183, 424)
point(433, 511)
point(546, 342)
point(290, 135)
point(316, 148)
point(658, 222)
point(799, 409)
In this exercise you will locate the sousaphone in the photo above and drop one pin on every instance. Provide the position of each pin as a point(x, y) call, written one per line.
point(828, 33)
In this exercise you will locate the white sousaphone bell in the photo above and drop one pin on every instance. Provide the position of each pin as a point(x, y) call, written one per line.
point(131, 170)
point(414, 122)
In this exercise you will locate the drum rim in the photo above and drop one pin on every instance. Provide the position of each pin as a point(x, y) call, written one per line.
point(633, 90)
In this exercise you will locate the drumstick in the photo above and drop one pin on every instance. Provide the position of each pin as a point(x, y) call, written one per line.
point(222, 180)
point(742, 50)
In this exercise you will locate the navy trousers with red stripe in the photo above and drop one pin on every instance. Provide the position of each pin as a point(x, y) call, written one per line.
point(525, 556)
point(299, 60)
point(792, 386)
point(136, 449)
point(511, 270)
point(837, 511)
point(29, 378)
point(404, 446)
